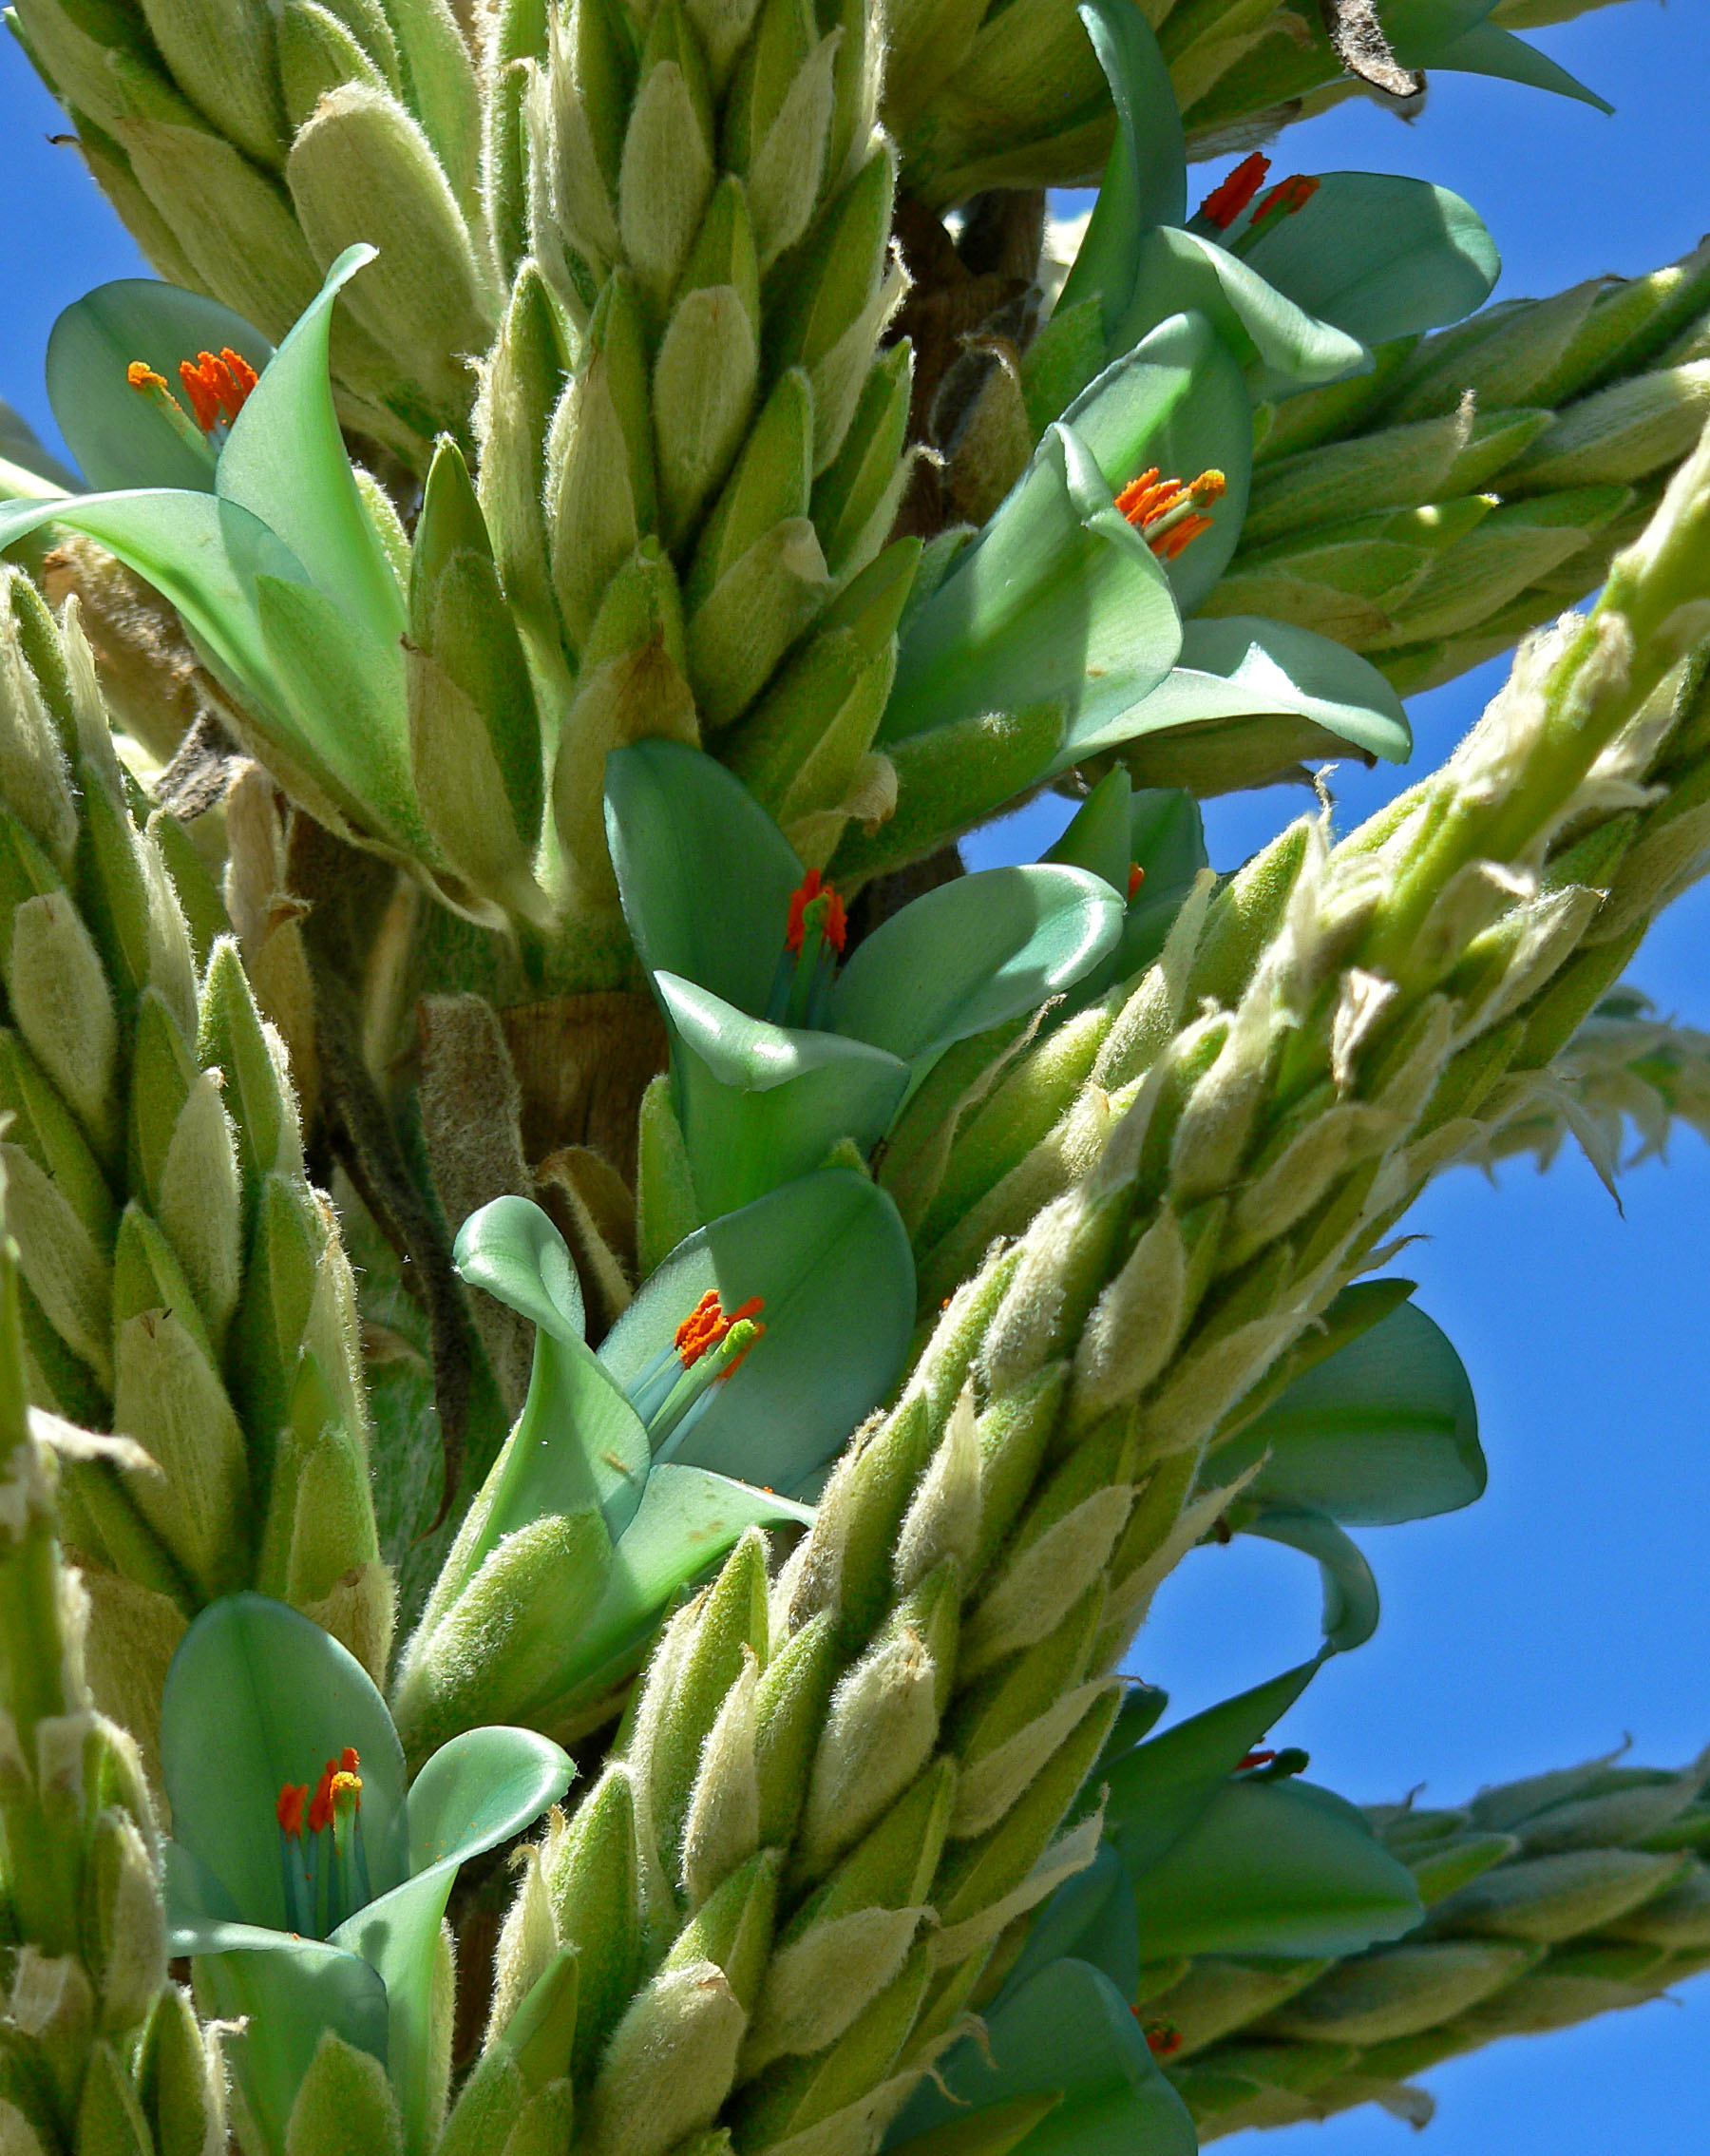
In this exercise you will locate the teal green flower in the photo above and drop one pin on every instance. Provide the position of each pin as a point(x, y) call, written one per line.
point(289, 576)
point(780, 1048)
point(306, 1874)
point(735, 1375)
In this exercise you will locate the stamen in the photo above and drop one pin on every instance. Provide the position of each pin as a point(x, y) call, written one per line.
point(1165, 513)
point(832, 921)
point(1254, 1759)
point(1224, 204)
point(144, 380)
point(293, 1870)
point(1162, 2038)
point(1136, 878)
point(216, 385)
point(350, 1888)
point(709, 1345)
point(289, 1809)
point(1287, 198)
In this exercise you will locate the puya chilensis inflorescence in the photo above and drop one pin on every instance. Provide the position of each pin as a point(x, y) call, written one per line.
point(179, 1280)
point(862, 1764)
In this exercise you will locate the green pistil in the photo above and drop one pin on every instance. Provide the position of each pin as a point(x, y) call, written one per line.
point(666, 1429)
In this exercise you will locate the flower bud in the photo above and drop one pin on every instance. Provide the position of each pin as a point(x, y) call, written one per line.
point(62, 1005)
point(109, 2119)
point(251, 1059)
point(1621, 434)
point(180, 2080)
point(591, 1871)
point(128, 1922)
point(855, 497)
point(726, 1631)
point(199, 1203)
point(883, 1721)
point(673, 2058)
point(984, 1883)
point(524, 380)
point(1014, 1433)
point(1394, 467)
point(665, 175)
point(1007, 1728)
point(1545, 1899)
point(1061, 1546)
point(600, 489)
point(746, 623)
point(846, 1565)
point(840, 2102)
point(361, 168)
point(499, 1652)
point(832, 319)
point(1398, 1990)
point(67, 1270)
point(941, 1525)
point(344, 2106)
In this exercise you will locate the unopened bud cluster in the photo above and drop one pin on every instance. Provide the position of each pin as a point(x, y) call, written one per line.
point(1480, 479)
point(1548, 1901)
point(181, 1282)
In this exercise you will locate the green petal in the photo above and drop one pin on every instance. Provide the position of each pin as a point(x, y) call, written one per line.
point(706, 875)
point(762, 1104)
point(1351, 1605)
point(1177, 401)
point(1058, 601)
point(1488, 50)
point(1097, 836)
point(973, 953)
point(286, 463)
point(257, 1696)
point(286, 1991)
point(1277, 1867)
point(201, 554)
point(1380, 257)
point(1167, 837)
point(1159, 830)
point(1238, 668)
point(474, 1793)
point(1161, 1787)
point(1070, 2028)
point(578, 1442)
point(1146, 179)
point(1282, 346)
point(1384, 1430)
point(831, 1257)
point(345, 693)
point(511, 1248)
point(120, 438)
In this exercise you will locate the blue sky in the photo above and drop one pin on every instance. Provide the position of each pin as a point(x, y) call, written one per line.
point(1569, 1607)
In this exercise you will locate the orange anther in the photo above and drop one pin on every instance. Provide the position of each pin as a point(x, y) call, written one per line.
point(320, 1804)
point(1136, 877)
point(1162, 2038)
point(216, 387)
point(1224, 204)
point(1287, 196)
point(290, 1808)
point(1254, 1759)
point(835, 926)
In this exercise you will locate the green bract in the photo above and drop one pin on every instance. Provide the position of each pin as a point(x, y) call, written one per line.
point(632, 1470)
point(257, 1699)
point(778, 1054)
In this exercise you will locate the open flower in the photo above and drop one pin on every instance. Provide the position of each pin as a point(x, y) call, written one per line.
point(224, 480)
point(781, 1048)
point(308, 1874)
point(735, 1375)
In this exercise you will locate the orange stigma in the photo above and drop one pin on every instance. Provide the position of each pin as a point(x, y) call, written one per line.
point(290, 1809)
point(1165, 513)
point(345, 1791)
point(707, 1325)
point(1224, 204)
point(141, 376)
point(1287, 197)
point(217, 386)
point(1136, 877)
point(835, 925)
